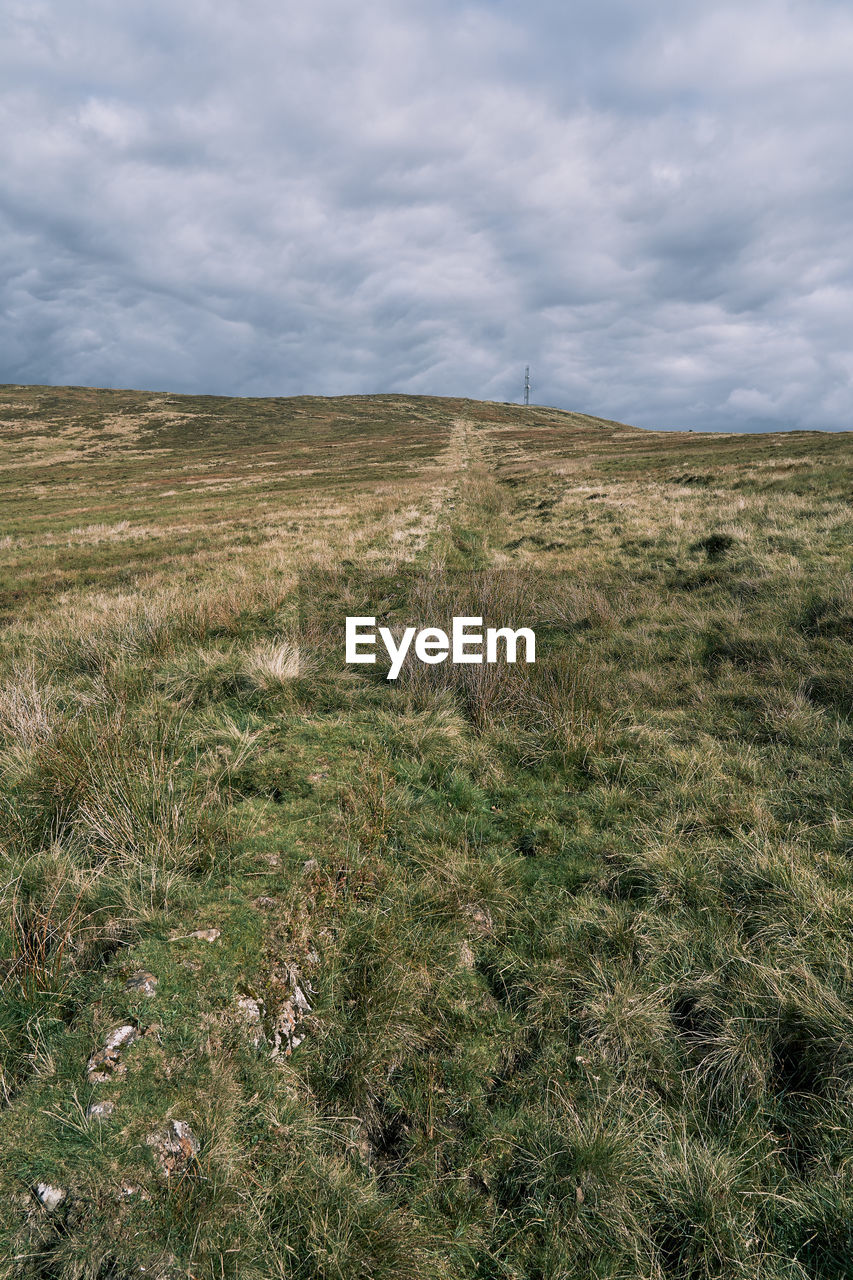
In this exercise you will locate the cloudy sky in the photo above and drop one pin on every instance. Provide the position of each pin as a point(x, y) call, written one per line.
point(648, 201)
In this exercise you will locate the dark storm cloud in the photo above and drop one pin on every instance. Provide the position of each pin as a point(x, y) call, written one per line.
point(649, 203)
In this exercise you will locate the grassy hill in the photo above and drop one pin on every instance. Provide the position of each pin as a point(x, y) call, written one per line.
point(536, 977)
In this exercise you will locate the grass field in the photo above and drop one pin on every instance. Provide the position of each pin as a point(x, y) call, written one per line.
point(538, 977)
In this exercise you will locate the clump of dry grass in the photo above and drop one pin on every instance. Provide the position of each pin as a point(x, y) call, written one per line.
point(41, 930)
point(28, 711)
point(273, 663)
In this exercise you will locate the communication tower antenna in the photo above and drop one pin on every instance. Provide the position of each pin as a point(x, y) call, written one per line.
point(527, 384)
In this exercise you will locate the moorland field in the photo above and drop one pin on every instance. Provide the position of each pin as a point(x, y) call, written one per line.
point(537, 975)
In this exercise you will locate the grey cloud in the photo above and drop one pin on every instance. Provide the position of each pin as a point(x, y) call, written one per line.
point(648, 203)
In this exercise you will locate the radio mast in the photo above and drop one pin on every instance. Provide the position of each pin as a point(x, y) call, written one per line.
point(527, 384)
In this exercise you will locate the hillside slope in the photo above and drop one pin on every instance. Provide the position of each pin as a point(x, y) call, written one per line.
point(542, 974)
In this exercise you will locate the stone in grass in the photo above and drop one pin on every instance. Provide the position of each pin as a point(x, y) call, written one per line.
point(106, 1064)
point(50, 1197)
point(142, 982)
point(286, 1032)
point(175, 1147)
point(204, 935)
point(252, 1016)
point(100, 1110)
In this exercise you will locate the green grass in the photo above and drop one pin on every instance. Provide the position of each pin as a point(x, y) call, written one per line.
point(567, 954)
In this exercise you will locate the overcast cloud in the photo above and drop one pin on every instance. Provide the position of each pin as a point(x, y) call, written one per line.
point(648, 202)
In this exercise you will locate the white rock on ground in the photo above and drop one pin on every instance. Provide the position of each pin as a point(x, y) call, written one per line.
point(50, 1197)
point(291, 1013)
point(100, 1110)
point(252, 1016)
point(105, 1064)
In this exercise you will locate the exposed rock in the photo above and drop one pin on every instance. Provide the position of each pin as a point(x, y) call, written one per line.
point(100, 1110)
point(252, 1016)
point(175, 1147)
point(263, 903)
point(466, 956)
point(142, 982)
point(206, 935)
point(286, 1036)
point(106, 1064)
point(310, 865)
point(50, 1197)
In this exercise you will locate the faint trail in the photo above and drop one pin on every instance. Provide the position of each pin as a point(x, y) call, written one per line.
point(424, 536)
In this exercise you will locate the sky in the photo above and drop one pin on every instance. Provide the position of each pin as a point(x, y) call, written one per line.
point(649, 202)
